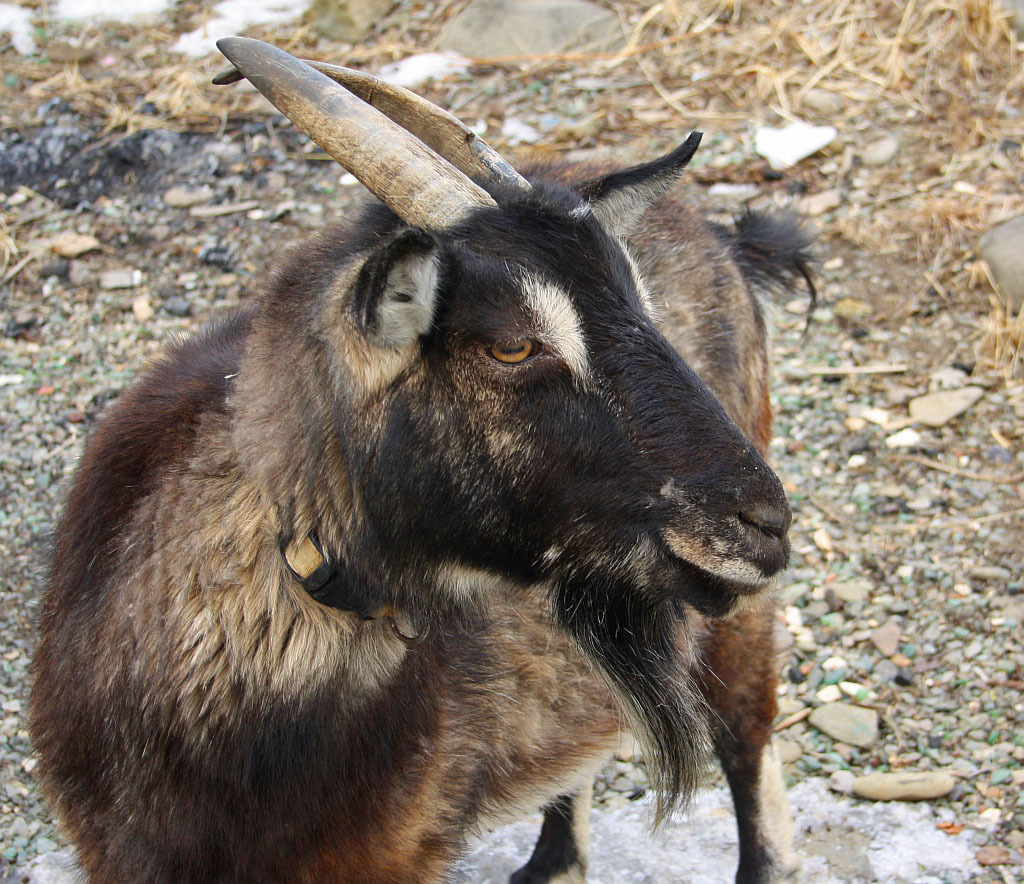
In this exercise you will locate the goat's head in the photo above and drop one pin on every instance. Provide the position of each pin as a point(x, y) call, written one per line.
point(508, 406)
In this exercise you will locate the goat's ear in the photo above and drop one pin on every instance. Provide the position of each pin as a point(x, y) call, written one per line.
point(619, 200)
point(396, 290)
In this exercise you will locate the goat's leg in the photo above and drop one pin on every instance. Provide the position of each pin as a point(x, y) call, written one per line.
point(738, 678)
point(560, 855)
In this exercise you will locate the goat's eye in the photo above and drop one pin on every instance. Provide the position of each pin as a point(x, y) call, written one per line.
point(513, 351)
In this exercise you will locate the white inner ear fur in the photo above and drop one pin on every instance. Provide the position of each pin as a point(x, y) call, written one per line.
point(406, 307)
point(620, 211)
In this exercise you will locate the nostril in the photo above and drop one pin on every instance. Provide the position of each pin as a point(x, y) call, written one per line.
point(772, 518)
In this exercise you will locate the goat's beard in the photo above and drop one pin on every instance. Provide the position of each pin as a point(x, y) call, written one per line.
point(645, 651)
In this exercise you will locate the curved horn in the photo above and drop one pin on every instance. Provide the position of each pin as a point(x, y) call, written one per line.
point(442, 132)
point(414, 182)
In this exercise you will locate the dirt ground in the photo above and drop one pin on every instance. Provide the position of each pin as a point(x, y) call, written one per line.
point(925, 534)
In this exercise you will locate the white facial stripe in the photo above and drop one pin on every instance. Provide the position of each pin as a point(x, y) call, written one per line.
point(559, 323)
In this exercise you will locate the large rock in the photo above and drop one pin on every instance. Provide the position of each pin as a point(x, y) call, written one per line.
point(938, 409)
point(846, 723)
point(1003, 250)
point(346, 20)
point(907, 785)
point(494, 28)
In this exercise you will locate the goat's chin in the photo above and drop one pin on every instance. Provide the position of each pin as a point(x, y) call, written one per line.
point(645, 650)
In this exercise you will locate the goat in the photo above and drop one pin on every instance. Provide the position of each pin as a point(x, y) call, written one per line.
point(402, 547)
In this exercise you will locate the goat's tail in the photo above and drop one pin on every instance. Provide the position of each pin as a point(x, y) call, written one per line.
point(774, 251)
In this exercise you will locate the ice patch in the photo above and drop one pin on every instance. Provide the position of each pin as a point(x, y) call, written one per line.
point(418, 69)
point(841, 841)
point(232, 17)
point(17, 21)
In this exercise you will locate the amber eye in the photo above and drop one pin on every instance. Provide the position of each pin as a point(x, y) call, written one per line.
point(512, 352)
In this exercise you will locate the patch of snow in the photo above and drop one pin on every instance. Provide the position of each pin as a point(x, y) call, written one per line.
point(17, 21)
point(893, 843)
point(232, 17)
point(787, 146)
point(515, 131)
point(88, 10)
point(418, 69)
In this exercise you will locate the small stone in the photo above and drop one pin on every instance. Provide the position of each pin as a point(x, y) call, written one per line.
point(820, 101)
point(885, 671)
point(494, 28)
point(828, 694)
point(58, 268)
point(788, 750)
point(842, 782)
point(1015, 839)
point(886, 638)
point(177, 306)
point(849, 724)
point(905, 438)
point(185, 197)
point(790, 706)
point(989, 572)
point(71, 244)
point(948, 378)
point(856, 692)
point(822, 540)
point(904, 785)
point(78, 273)
point(819, 204)
point(852, 590)
point(347, 21)
point(995, 855)
point(881, 152)
point(45, 845)
point(938, 409)
point(120, 279)
point(1003, 250)
point(142, 308)
point(68, 52)
point(852, 309)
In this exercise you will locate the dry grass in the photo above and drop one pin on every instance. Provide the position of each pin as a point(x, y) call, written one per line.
point(944, 74)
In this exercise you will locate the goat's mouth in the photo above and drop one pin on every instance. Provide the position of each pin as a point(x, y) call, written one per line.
point(743, 558)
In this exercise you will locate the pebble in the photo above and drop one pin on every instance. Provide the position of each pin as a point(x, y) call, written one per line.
point(821, 101)
point(880, 152)
point(120, 279)
point(905, 438)
point(938, 409)
point(852, 590)
point(72, 245)
point(788, 750)
point(904, 785)
point(995, 855)
point(1003, 250)
point(820, 203)
point(852, 309)
point(142, 308)
point(177, 306)
point(842, 781)
point(990, 572)
point(886, 638)
point(185, 197)
point(850, 724)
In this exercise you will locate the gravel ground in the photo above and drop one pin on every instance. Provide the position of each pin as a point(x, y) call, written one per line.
point(905, 593)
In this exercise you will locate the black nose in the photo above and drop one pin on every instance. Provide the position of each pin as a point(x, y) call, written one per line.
point(773, 518)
